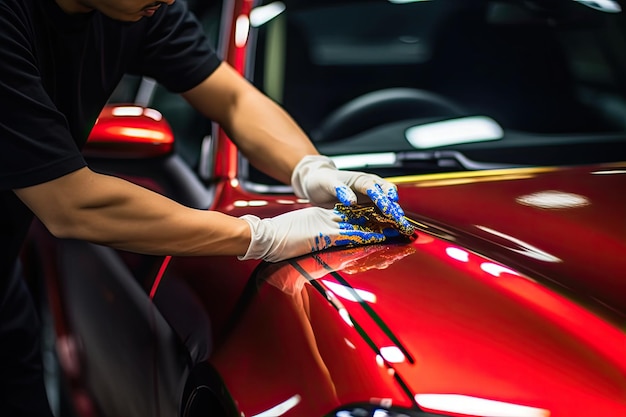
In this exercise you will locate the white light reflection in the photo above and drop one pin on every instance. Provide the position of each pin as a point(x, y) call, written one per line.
point(473, 406)
point(496, 270)
point(281, 408)
point(380, 361)
point(127, 111)
point(251, 203)
point(343, 313)
point(458, 254)
point(349, 343)
point(364, 160)
point(384, 402)
point(553, 199)
point(609, 6)
point(263, 14)
point(349, 293)
point(153, 114)
point(610, 172)
point(242, 28)
point(526, 249)
point(451, 132)
point(392, 354)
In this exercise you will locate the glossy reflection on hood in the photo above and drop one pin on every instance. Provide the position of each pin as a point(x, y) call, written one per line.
point(472, 406)
point(291, 277)
point(553, 199)
point(520, 246)
point(350, 294)
point(281, 408)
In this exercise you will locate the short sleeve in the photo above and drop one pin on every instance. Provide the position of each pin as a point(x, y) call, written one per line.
point(176, 51)
point(37, 145)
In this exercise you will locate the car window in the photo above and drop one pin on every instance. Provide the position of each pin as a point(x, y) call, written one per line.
point(493, 57)
point(538, 70)
point(333, 52)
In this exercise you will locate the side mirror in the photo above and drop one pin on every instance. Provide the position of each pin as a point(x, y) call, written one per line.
point(128, 131)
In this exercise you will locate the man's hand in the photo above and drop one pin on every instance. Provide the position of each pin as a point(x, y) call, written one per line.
point(317, 178)
point(303, 231)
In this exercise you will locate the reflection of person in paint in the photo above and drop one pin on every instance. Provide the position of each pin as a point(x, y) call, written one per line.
point(59, 62)
point(295, 283)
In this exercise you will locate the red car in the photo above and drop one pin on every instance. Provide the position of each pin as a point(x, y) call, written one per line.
point(503, 122)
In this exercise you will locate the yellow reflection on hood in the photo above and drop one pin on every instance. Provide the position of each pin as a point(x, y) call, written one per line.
point(460, 181)
point(465, 177)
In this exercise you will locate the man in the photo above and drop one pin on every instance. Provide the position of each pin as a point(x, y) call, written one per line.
point(59, 62)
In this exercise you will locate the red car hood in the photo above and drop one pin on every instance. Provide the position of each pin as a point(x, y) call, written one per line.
point(510, 302)
point(564, 226)
point(513, 304)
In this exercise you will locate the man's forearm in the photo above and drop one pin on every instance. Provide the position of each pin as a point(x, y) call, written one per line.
point(269, 137)
point(114, 212)
point(261, 129)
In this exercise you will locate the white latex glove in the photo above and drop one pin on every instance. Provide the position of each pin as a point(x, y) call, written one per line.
point(303, 231)
point(317, 179)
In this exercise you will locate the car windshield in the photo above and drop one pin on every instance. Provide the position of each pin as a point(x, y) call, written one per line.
point(401, 87)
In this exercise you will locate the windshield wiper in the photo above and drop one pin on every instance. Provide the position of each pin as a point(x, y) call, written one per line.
point(448, 159)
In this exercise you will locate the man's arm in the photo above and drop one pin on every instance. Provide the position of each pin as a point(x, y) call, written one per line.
point(260, 128)
point(275, 144)
point(111, 211)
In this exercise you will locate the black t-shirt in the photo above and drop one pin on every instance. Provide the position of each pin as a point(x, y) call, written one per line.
point(57, 72)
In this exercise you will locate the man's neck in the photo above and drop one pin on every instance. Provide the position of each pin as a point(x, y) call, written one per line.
point(73, 6)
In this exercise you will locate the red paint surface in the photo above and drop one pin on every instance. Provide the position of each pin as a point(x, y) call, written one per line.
point(548, 335)
point(589, 241)
point(130, 135)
